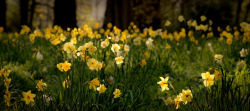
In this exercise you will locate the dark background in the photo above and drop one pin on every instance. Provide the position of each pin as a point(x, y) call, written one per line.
point(143, 13)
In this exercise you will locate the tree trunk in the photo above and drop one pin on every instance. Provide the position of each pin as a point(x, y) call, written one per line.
point(65, 13)
point(3, 14)
point(24, 11)
point(238, 12)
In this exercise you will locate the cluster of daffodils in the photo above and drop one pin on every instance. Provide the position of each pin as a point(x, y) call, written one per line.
point(243, 54)
point(116, 50)
point(94, 64)
point(184, 97)
point(64, 66)
point(27, 96)
point(41, 85)
point(7, 81)
point(101, 88)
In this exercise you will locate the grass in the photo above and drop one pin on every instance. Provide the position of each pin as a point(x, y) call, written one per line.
point(183, 63)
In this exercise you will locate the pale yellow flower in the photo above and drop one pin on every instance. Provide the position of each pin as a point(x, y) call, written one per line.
point(163, 83)
point(115, 48)
point(208, 79)
point(101, 88)
point(119, 60)
point(92, 63)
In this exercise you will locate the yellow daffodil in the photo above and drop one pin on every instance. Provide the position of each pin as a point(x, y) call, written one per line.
point(203, 18)
point(218, 58)
point(167, 23)
point(95, 82)
point(208, 79)
point(143, 63)
point(186, 96)
point(101, 88)
point(41, 85)
point(92, 63)
point(59, 66)
point(7, 98)
point(117, 93)
point(163, 83)
point(66, 66)
point(69, 48)
point(177, 101)
point(28, 97)
point(217, 75)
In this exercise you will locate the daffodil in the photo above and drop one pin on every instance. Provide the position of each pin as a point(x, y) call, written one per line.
point(66, 66)
point(69, 48)
point(143, 63)
point(168, 101)
point(104, 44)
point(41, 85)
point(243, 52)
point(241, 64)
point(163, 83)
point(186, 96)
point(7, 98)
point(101, 88)
point(146, 55)
point(208, 79)
point(115, 48)
point(181, 18)
point(59, 67)
point(95, 82)
point(203, 18)
point(28, 97)
point(167, 23)
point(218, 58)
point(168, 46)
point(217, 75)
point(117, 93)
point(92, 63)
point(177, 101)
point(119, 60)
point(126, 48)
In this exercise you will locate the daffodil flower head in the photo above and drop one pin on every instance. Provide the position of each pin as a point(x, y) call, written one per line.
point(163, 83)
point(115, 48)
point(117, 93)
point(101, 88)
point(92, 84)
point(119, 60)
point(28, 97)
point(186, 96)
point(208, 79)
point(218, 58)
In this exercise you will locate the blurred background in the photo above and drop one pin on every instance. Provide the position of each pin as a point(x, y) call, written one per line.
point(144, 13)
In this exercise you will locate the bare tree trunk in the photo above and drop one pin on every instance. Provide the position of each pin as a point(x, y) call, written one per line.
point(24, 11)
point(65, 13)
point(3, 13)
point(42, 14)
point(247, 12)
point(238, 12)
